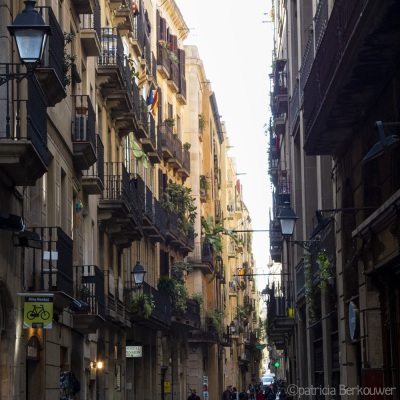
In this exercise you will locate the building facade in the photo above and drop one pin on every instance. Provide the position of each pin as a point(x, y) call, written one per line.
point(333, 159)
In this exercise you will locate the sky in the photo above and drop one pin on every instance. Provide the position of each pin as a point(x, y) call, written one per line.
point(235, 46)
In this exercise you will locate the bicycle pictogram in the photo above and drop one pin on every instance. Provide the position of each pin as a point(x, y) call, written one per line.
point(38, 311)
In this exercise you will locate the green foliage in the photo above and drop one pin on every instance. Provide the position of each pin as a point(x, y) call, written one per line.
point(178, 270)
point(324, 271)
point(216, 317)
point(175, 291)
point(178, 199)
point(213, 234)
point(142, 304)
point(198, 298)
point(204, 183)
point(308, 287)
point(202, 122)
point(68, 59)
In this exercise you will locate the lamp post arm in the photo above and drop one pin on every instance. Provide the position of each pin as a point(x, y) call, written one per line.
point(4, 78)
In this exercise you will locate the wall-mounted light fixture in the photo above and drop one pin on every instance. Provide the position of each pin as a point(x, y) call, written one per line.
point(96, 364)
point(385, 142)
point(30, 32)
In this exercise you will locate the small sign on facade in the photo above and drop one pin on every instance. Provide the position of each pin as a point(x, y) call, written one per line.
point(133, 351)
point(38, 312)
point(167, 387)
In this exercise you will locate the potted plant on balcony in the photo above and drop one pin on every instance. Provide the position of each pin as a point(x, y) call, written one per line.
point(204, 185)
point(187, 146)
point(68, 59)
point(202, 122)
point(178, 199)
point(215, 318)
point(142, 304)
point(175, 291)
point(169, 122)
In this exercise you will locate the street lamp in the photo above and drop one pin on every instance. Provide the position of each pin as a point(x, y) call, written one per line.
point(287, 217)
point(31, 33)
point(138, 274)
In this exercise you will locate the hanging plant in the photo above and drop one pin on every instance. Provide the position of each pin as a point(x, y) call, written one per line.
point(308, 287)
point(142, 304)
point(68, 59)
point(178, 199)
point(179, 270)
point(216, 318)
point(175, 291)
point(202, 122)
point(324, 271)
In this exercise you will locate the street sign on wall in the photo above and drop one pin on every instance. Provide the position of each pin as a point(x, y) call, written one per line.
point(133, 351)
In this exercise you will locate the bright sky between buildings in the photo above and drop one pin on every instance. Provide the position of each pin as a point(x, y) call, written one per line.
point(235, 45)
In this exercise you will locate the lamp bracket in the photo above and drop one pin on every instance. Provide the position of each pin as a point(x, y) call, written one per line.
point(4, 78)
point(309, 245)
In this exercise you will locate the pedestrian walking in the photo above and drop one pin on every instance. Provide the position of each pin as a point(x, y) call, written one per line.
point(193, 395)
point(227, 393)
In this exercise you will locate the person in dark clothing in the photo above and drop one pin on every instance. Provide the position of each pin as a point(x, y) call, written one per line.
point(269, 394)
point(193, 396)
point(227, 393)
point(242, 395)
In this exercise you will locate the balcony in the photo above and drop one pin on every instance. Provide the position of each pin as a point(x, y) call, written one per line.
point(167, 140)
point(93, 178)
point(111, 66)
point(152, 146)
point(145, 120)
point(138, 35)
point(149, 143)
point(115, 208)
point(90, 32)
point(279, 125)
point(53, 273)
point(163, 60)
point(191, 318)
point(173, 81)
point(161, 315)
point(23, 132)
point(354, 61)
point(124, 18)
point(160, 222)
point(152, 217)
point(89, 290)
point(184, 172)
point(282, 100)
point(203, 337)
point(181, 95)
point(201, 258)
point(83, 133)
point(83, 6)
point(51, 73)
point(175, 162)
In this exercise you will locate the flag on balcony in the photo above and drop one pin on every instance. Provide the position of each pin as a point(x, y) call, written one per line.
point(142, 79)
point(154, 105)
point(150, 98)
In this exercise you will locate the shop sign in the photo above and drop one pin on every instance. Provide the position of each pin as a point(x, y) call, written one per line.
point(38, 312)
point(133, 351)
point(167, 387)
